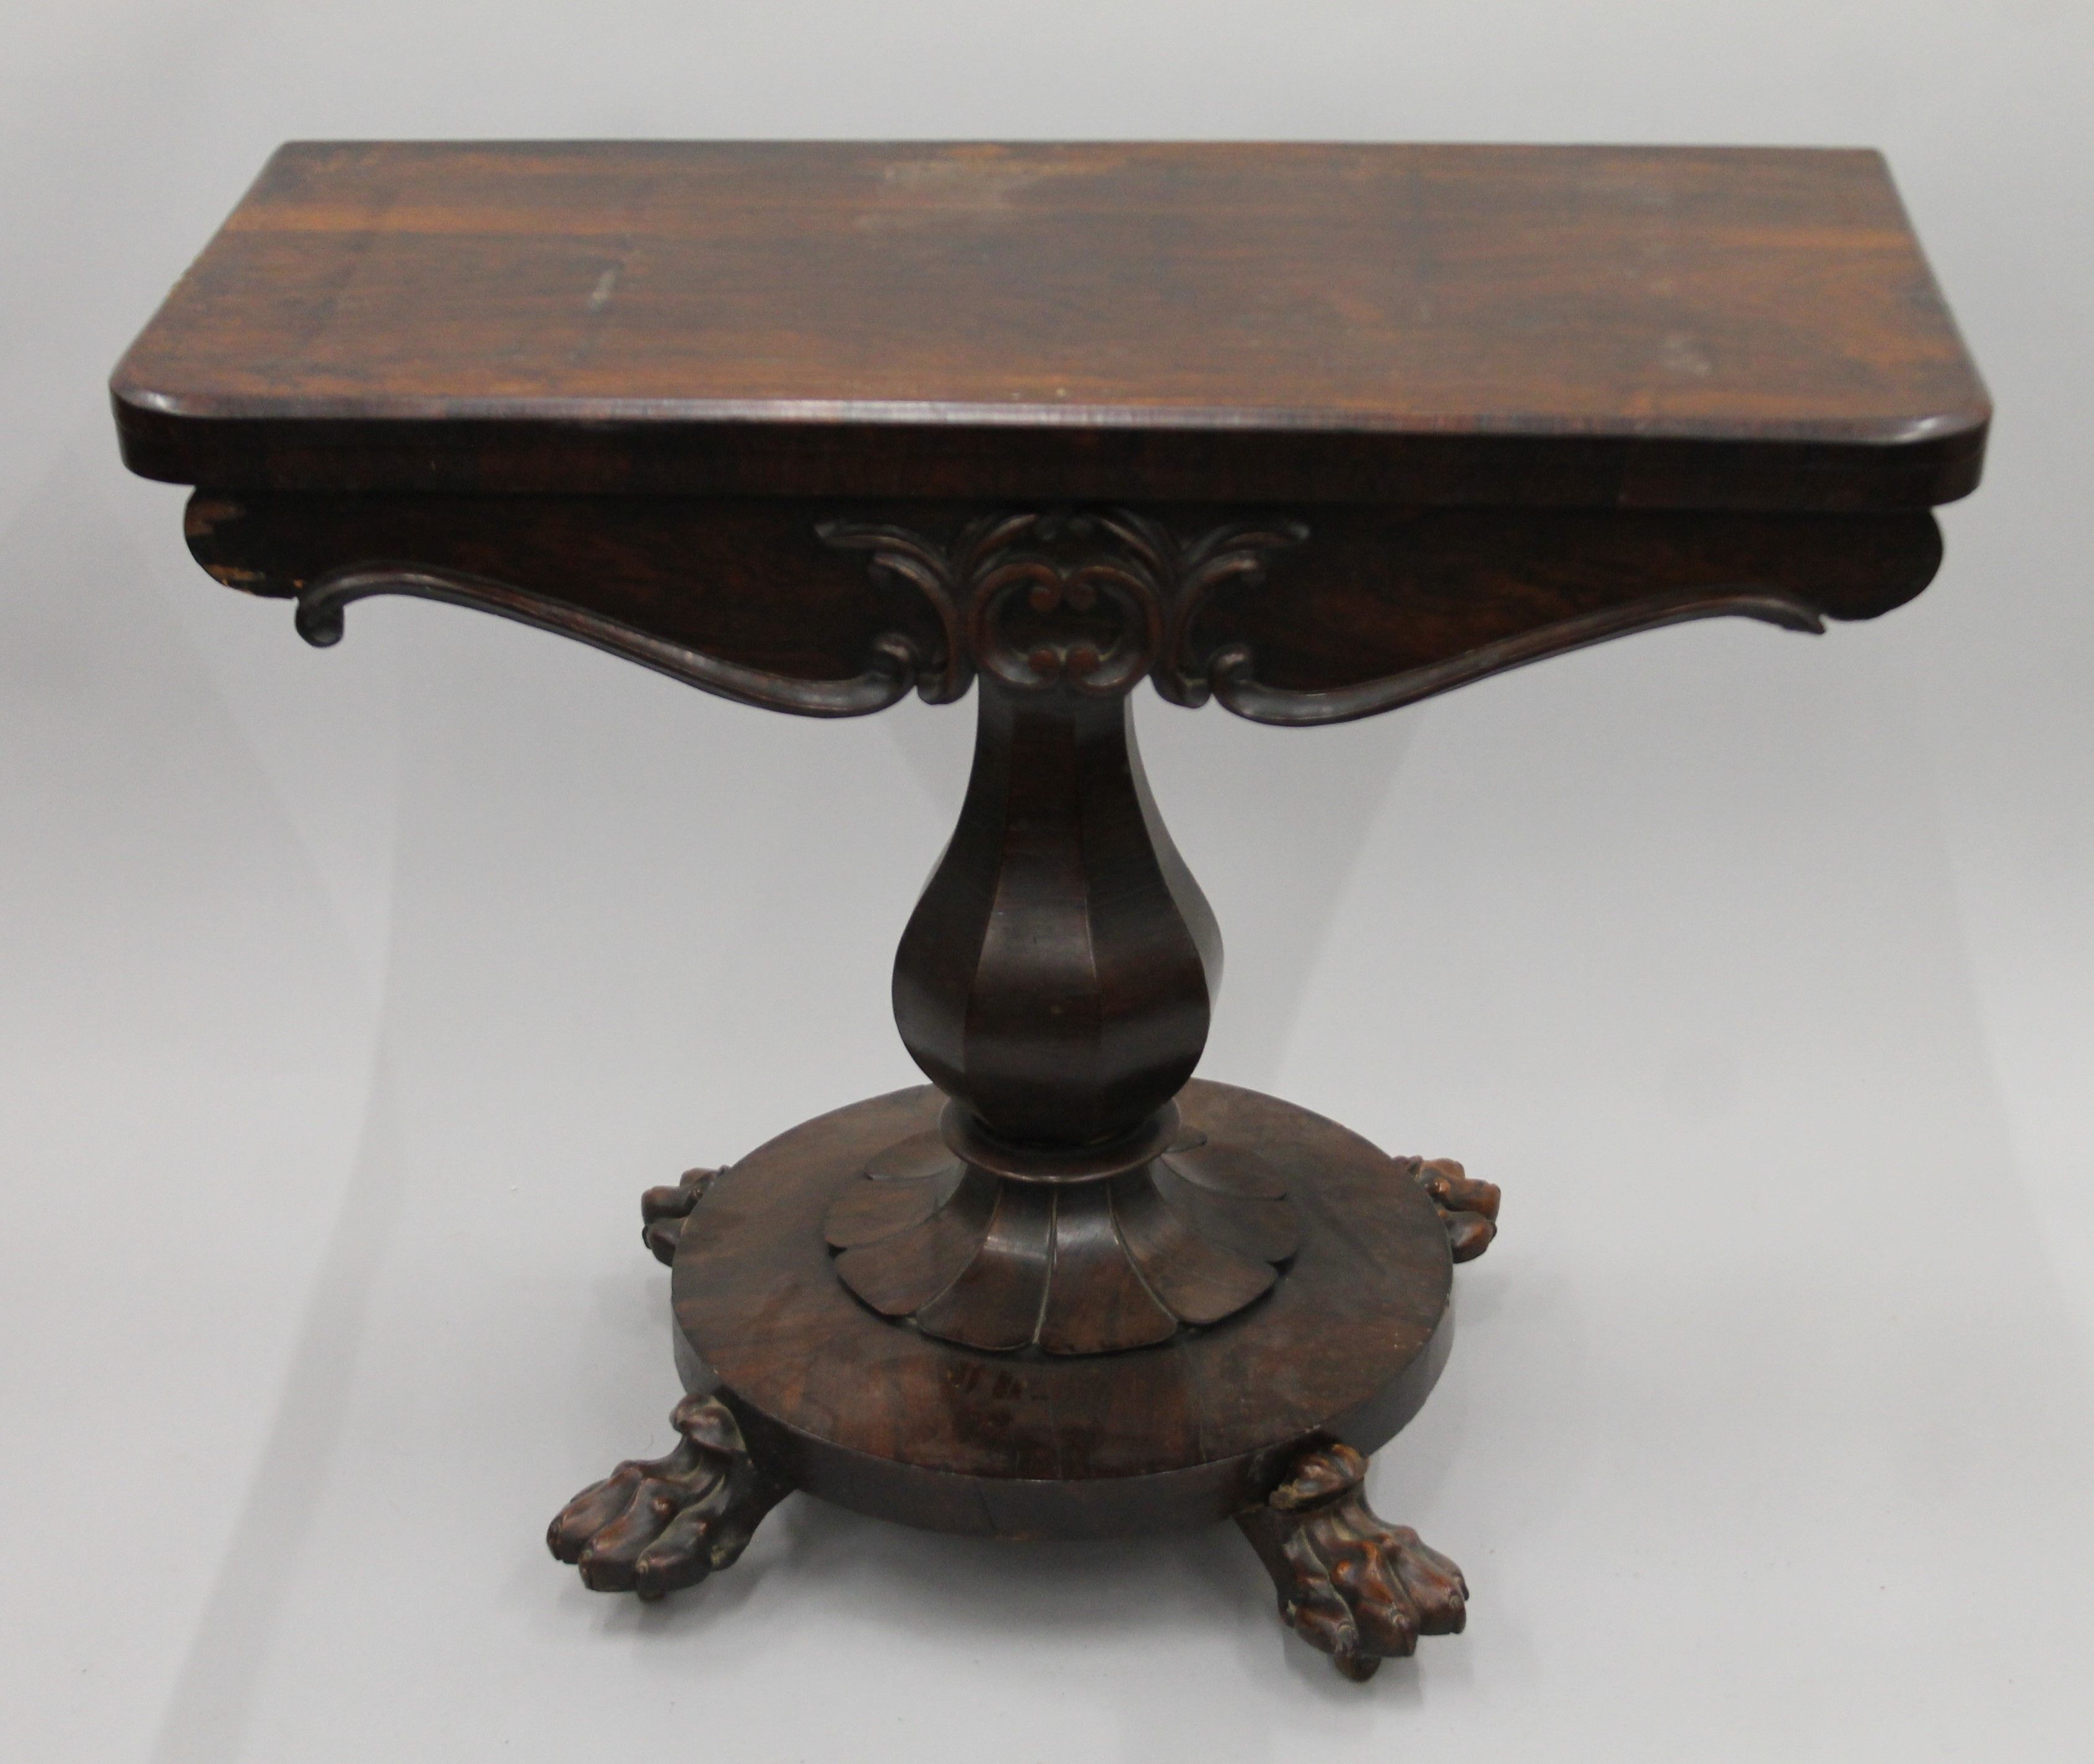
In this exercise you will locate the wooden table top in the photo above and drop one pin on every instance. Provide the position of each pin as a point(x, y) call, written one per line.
point(1438, 324)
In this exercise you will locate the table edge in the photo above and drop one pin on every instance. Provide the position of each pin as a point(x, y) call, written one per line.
point(252, 442)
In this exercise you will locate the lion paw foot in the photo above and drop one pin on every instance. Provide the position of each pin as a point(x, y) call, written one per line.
point(655, 1524)
point(664, 1210)
point(1468, 1209)
point(1361, 1590)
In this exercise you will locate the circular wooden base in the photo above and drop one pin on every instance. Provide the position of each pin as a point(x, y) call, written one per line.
point(874, 1415)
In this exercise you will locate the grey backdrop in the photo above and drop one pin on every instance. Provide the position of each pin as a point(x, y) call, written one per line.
point(351, 997)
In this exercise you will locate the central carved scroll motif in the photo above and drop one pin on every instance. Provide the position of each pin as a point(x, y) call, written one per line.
point(1092, 600)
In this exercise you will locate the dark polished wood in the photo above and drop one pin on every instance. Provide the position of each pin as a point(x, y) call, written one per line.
point(1057, 976)
point(1599, 326)
point(845, 1403)
point(1071, 1267)
point(1311, 431)
point(833, 610)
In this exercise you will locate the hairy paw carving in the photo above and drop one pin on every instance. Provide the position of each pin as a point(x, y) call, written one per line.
point(1468, 1209)
point(1361, 1590)
point(655, 1524)
point(662, 1212)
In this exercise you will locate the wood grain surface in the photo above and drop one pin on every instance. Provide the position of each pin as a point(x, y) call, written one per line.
point(1435, 324)
point(878, 1417)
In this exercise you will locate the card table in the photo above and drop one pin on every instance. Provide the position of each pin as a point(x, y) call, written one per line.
point(1313, 431)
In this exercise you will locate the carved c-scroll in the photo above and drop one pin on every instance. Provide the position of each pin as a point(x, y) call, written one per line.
point(890, 670)
point(1093, 600)
point(1231, 672)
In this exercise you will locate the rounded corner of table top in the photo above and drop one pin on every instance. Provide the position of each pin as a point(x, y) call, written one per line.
point(157, 432)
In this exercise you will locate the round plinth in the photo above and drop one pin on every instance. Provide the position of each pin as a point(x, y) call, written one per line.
point(877, 1416)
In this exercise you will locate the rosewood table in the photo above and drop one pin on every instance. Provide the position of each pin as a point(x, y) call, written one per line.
point(1314, 431)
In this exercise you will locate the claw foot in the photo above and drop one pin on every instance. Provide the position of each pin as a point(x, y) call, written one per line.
point(662, 1212)
point(1468, 1209)
point(1361, 1590)
point(655, 1524)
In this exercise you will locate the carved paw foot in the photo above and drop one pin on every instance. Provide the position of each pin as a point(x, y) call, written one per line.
point(1361, 1590)
point(662, 1212)
point(1468, 1209)
point(655, 1524)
